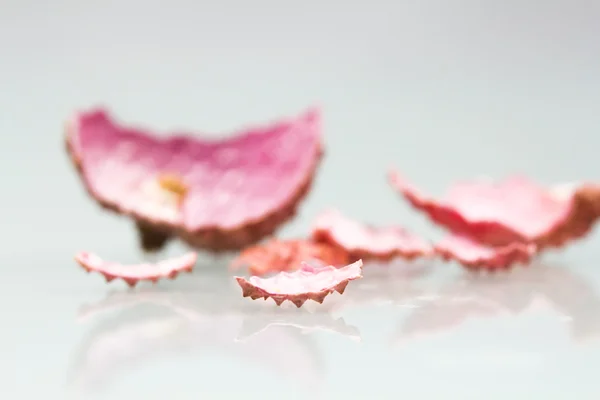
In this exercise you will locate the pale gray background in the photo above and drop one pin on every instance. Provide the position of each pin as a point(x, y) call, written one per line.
point(441, 89)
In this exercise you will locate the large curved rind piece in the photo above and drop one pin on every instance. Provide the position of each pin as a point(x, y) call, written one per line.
point(218, 195)
point(514, 210)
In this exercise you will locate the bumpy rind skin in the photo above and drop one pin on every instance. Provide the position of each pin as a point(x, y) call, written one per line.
point(153, 235)
point(330, 233)
point(255, 292)
point(152, 275)
point(585, 211)
point(503, 259)
point(323, 236)
point(267, 258)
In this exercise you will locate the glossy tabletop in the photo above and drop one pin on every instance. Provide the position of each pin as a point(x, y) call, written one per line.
point(441, 90)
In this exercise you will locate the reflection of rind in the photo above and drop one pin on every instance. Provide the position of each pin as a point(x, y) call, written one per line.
point(385, 283)
point(577, 299)
point(186, 305)
point(182, 304)
point(441, 316)
point(489, 296)
point(197, 324)
point(137, 343)
point(107, 351)
point(304, 321)
point(118, 301)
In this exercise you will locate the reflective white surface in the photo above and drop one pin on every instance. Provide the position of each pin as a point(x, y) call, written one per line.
point(442, 90)
point(418, 329)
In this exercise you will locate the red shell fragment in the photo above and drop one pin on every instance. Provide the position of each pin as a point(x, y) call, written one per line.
point(365, 242)
point(132, 274)
point(474, 255)
point(286, 255)
point(512, 210)
point(214, 194)
point(308, 282)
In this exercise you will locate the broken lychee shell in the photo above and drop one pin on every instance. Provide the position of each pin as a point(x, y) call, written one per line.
point(306, 283)
point(362, 241)
point(477, 256)
point(287, 255)
point(514, 210)
point(218, 195)
point(132, 274)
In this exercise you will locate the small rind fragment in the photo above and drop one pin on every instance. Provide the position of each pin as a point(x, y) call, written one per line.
point(366, 242)
point(514, 210)
point(476, 256)
point(132, 274)
point(286, 255)
point(306, 283)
